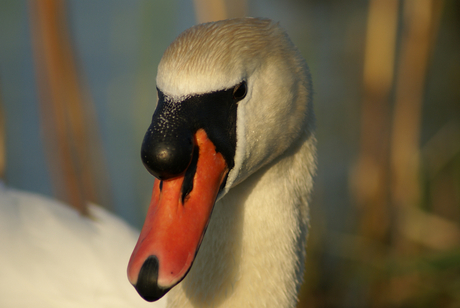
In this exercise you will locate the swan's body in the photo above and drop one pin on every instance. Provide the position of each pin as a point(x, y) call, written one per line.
point(52, 257)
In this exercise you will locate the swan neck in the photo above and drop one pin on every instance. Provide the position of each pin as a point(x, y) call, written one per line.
point(257, 230)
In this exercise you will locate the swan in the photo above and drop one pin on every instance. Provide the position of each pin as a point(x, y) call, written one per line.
point(232, 146)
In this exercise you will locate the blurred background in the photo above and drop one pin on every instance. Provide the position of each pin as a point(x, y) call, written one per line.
point(77, 91)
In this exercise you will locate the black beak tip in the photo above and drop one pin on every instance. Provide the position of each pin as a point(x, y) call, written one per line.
point(147, 282)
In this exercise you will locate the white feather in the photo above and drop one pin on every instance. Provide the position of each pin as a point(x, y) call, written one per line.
point(54, 257)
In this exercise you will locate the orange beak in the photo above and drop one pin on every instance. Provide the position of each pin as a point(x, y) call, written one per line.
point(175, 225)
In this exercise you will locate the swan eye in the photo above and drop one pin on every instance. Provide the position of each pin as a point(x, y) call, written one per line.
point(239, 92)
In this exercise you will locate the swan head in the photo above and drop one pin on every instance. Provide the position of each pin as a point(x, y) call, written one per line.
point(232, 96)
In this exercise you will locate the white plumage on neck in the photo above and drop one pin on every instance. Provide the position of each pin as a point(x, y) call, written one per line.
point(254, 249)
